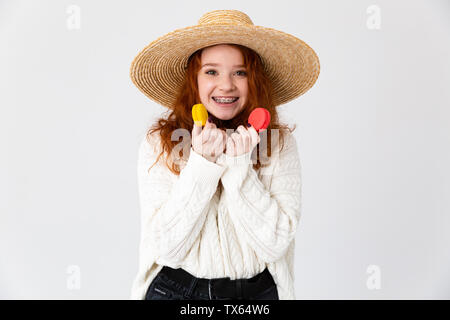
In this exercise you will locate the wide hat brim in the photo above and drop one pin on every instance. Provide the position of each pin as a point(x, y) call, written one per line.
point(159, 69)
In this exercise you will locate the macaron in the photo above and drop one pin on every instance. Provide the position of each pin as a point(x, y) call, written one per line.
point(259, 119)
point(199, 114)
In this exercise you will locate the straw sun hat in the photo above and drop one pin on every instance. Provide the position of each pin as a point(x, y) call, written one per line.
point(159, 69)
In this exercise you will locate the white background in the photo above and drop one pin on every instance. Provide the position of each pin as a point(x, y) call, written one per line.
point(373, 135)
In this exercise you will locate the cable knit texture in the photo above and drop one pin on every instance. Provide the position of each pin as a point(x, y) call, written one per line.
point(188, 222)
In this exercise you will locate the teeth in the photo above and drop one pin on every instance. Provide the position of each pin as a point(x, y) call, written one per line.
point(226, 100)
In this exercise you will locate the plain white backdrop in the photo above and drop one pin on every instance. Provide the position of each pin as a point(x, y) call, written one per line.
point(373, 135)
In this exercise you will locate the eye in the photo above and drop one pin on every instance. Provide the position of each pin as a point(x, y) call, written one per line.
point(243, 72)
point(208, 72)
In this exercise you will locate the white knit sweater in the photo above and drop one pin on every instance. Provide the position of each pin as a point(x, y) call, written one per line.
point(188, 222)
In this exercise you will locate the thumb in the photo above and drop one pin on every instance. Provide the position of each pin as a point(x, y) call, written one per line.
point(197, 129)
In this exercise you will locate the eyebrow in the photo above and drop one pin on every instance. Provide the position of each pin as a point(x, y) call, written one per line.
point(216, 65)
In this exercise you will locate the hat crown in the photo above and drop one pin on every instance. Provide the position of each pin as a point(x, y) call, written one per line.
point(225, 17)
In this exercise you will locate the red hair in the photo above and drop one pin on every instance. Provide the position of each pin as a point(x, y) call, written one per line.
point(260, 94)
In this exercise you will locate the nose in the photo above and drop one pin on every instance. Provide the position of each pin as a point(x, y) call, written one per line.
point(226, 83)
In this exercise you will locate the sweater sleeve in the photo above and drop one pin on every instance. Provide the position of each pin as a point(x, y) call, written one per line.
point(266, 219)
point(173, 213)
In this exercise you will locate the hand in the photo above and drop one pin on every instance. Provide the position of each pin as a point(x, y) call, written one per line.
point(242, 141)
point(208, 142)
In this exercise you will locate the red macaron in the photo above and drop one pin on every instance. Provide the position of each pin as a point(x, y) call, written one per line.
point(259, 119)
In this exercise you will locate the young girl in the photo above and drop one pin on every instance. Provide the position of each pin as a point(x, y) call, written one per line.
point(220, 204)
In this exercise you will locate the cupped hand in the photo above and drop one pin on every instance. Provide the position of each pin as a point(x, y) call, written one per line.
point(241, 141)
point(208, 141)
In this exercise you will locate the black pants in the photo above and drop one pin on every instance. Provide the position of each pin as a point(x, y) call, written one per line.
point(178, 284)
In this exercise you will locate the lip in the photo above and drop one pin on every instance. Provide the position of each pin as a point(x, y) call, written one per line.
point(225, 105)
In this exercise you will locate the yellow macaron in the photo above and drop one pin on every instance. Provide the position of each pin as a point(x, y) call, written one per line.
point(199, 114)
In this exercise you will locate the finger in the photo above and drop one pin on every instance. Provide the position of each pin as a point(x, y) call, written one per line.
point(213, 137)
point(196, 133)
point(208, 144)
point(236, 137)
point(254, 135)
point(225, 137)
point(196, 129)
point(230, 146)
point(210, 126)
point(208, 147)
point(218, 144)
point(206, 132)
point(246, 138)
point(221, 140)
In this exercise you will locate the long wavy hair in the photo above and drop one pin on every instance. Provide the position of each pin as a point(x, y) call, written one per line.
point(260, 94)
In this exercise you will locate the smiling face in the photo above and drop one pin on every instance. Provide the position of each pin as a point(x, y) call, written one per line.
point(222, 74)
